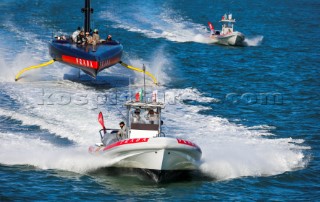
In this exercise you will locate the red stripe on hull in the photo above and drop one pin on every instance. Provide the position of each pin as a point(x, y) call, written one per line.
point(80, 62)
point(186, 142)
point(109, 62)
point(129, 141)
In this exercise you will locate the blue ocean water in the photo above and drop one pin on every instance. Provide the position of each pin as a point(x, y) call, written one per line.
point(254, 110)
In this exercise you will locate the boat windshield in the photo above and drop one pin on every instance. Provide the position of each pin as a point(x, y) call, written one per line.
point(144, 122)
point(144, 119)
point(227, 25)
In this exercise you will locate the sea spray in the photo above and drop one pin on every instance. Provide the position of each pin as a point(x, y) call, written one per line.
point(253, 41)
point(231, 150)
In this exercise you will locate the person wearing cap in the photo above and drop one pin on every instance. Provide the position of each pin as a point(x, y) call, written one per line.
point(109, 38)
point(121, 134)
point(81, 39)
point(89, 38)
point(75, 34)
point(95, 37)
point(152, 117)
point(136, 116)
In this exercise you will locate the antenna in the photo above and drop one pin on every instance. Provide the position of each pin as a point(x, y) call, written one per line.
point(130, 95)
point(144, 82)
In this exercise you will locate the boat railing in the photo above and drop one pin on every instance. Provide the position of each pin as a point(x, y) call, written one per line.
point(113, 42)
point(62, 41)
point(228, 21)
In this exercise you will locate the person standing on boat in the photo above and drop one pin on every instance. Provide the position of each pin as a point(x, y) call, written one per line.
point(109, 38)
point(152, 117)
point(136, 116)
point(89, 39)
point(121, 134)
point(81, 39)
point(95, 37)
point(75, 34)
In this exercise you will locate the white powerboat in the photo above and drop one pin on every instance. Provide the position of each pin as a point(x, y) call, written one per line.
point(226, 36)
point(144, 146)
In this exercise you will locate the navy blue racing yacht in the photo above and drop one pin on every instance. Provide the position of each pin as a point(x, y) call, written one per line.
point(90, 58)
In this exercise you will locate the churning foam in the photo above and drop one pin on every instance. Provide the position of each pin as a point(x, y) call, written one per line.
point(169, 25)
point(231, 150)
point(19, 150)
point(158, 65)
point(9, 68)
point(253, 41)
point(164, 25)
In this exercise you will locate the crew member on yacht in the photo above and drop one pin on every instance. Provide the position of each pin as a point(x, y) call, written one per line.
point(75, 34)
point(89, 38)
point(109, 38)
point(95, 37)
point(81, 39)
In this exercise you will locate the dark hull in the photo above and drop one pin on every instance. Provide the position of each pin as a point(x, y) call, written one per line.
point(158, 176)
point(88, 58)
point(163, 176)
